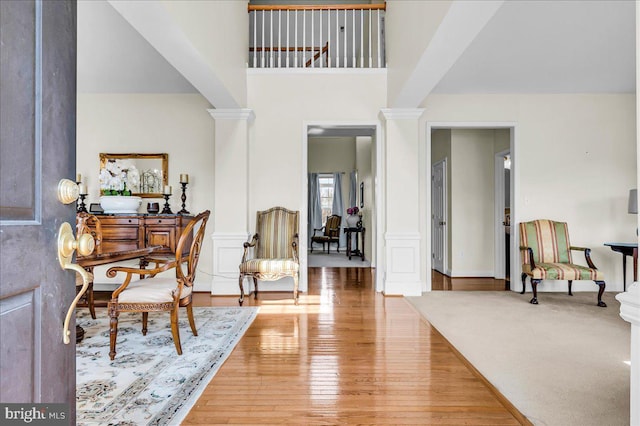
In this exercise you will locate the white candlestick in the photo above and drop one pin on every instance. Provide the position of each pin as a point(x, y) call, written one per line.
point(82, 188)
point(184, 178)
point(78, 177)
point(167, 190)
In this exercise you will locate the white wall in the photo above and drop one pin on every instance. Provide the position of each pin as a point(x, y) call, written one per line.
point(366, 165)
point(424, 18)
point(574, 161)
point(219, 30)
point(151, 123)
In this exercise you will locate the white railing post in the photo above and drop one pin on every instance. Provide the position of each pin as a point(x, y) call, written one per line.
point(262, 42)
point(295, 50)
point(345, 38)
point(370, 41)
point(362, 38)
point(288, 44)
point(379, 40)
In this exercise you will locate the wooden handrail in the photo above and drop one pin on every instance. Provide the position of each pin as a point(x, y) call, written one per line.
point(324, 49)
point(381, 6)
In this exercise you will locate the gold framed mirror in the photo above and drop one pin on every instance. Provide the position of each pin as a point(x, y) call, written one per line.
point(143, 175)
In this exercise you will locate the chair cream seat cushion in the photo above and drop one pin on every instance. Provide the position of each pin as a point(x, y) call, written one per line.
point(562, 271)
point(152, 290)
point(269, 266)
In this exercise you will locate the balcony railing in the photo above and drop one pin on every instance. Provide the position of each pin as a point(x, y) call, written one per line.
point(327, 36)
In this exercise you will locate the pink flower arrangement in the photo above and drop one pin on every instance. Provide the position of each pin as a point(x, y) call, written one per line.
point(353, 210)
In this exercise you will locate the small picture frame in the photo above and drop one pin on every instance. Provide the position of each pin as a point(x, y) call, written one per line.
point(95, 208)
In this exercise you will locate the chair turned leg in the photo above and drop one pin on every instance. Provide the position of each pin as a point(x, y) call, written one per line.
point(570, 282)
point(91, 301)
point(524, 279)
point(192, 321)
point(602, 285)
point(295, 289)
point(145, 320)
point(241, 299)
point(255, 287)
point(113, 331)
point(534, 287)
point(175, 332)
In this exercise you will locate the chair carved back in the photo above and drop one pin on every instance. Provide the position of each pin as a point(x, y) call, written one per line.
point(200, 221)
point(549, 241)
point(83, 226)
point(276, 229)
point(332, 227)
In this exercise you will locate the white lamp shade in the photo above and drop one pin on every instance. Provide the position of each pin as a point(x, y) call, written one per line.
point(633, 201)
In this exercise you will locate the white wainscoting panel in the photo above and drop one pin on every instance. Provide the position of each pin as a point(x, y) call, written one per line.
point(402, 264)
point(227, 255)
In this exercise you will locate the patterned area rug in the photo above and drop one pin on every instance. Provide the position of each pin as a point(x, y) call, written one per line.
point(148, 383)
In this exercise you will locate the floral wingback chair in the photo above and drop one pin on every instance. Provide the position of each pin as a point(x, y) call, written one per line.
point(275, 245)
point(546, 255)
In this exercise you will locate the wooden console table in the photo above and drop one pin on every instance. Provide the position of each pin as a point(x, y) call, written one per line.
point(627, 249)
point(356, 252)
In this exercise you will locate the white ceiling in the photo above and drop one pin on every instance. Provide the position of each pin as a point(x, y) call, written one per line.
point(534, 46)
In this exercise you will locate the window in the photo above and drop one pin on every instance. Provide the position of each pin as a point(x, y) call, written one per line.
point(326, 195)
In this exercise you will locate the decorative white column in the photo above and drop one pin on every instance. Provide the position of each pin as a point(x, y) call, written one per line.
point(231, 196)
point(402, 215)
point(630, 311)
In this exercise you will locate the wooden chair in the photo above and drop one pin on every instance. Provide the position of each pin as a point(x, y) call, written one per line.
point(153, 293)
point(275, 246)
point(330, 233)
point(546, 255)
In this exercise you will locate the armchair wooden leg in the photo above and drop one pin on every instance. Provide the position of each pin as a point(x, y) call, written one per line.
point(175, 332)
point(113, 330)
point(255, 287)
point(145, 320)
point(91, 300)
point(570, 282)
point(602, 285)
point(241, 299)
point(534, 287)
point(524, 280)
point(192, 321)
point(295, 289)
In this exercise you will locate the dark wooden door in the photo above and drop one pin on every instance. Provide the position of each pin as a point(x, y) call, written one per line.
point(37, 149)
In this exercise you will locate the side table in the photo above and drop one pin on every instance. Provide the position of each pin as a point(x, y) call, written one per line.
point(627, 249)
point(356, 252)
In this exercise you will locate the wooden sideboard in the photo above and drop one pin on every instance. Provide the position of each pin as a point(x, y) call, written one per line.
point(123, 232)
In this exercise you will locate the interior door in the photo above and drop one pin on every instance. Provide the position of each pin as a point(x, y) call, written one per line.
point(37, 149)
point(439, 215)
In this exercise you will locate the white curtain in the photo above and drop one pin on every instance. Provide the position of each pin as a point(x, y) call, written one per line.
point(338, 205)
point(314, 220)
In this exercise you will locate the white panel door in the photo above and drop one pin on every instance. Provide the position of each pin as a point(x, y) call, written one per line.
point(439, 215)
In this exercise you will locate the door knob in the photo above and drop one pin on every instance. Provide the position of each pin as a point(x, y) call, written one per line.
point(68, 191)
point(67, 244)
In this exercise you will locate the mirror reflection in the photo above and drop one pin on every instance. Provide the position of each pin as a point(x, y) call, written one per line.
point(143, 175)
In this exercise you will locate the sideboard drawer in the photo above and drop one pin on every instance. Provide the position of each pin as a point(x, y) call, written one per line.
point(120, 233)
point(171, 221)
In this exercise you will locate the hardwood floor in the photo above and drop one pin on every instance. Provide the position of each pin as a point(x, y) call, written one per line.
point(446, 283)
point(345, 355)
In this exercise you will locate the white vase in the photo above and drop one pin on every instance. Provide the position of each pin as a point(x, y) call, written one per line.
point(352, 220)
point(120, 203)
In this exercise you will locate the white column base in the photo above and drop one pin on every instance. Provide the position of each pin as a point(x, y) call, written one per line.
point(402, 264)
point(630, 311)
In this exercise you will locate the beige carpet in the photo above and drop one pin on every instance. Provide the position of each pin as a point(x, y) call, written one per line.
point(318, 259)
point(563, 362)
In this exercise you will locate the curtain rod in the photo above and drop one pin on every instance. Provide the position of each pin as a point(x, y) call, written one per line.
point(328, 173)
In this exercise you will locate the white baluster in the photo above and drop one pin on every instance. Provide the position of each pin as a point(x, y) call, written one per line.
point(271, 39)
point(379, 46)
point(262, 42)
point(280, 38)
point(353, 41)
point(313, 63)
point(370, 41)
point(288, 38)
point(304, 39)
point(329, 38)
point(362, 38)
point(295, 50)
point(337, 38)
point(321, 12)
point(345, 39)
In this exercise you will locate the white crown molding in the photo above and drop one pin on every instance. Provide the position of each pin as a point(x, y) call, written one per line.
point(232, 114)
point(401, 113)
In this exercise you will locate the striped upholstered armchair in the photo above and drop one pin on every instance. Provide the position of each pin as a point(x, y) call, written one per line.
point(546, 255)
point(275, 245)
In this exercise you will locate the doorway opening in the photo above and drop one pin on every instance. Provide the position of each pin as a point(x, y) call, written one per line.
point(472, 202)
point(341, 165)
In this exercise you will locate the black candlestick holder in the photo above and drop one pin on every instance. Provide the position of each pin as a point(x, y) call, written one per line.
point(82, 208)
point(166, 209)
point(184, 198)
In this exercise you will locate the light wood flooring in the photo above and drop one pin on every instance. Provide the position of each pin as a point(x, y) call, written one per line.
point(345, 355)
